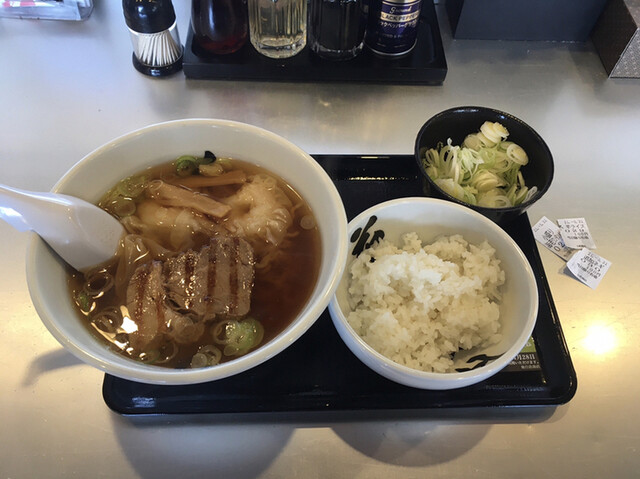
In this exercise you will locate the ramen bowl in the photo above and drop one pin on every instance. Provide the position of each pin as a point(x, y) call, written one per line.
point(390, 329)
point(96, 173)
point(456, 124)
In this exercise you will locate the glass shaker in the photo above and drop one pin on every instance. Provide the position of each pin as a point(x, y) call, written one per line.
point(219, 26)
point(278, 28)
point(337, 28)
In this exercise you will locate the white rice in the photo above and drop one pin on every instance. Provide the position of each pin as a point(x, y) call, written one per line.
point(417, 305)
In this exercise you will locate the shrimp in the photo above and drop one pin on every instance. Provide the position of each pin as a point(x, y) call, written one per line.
point(261, 212)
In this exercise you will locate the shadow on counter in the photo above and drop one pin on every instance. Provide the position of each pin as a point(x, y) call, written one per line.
point(246, 445)
point(48, 362)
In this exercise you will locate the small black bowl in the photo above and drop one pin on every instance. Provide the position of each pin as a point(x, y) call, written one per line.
point(457, 123)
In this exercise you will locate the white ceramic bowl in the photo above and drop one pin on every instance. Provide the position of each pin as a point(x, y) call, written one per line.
point(164, 142)
point(430, 218)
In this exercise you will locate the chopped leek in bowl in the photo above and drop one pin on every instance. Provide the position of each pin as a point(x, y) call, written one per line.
point(485, 159)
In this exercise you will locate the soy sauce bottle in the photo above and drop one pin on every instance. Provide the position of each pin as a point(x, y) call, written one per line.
point(219, 26)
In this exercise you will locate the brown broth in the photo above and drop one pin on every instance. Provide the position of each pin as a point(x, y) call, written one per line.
point(279, 294)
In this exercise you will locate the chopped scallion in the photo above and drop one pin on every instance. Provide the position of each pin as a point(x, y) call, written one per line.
point(484, 171)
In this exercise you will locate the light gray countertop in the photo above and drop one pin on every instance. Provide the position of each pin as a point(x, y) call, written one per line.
point(67, 88)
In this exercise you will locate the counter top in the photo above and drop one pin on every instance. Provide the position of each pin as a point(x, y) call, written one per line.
point(67, 88)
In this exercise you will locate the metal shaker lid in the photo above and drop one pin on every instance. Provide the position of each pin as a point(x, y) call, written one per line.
point(148, 16)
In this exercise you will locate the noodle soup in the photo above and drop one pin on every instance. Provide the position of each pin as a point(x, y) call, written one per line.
point(219, 257)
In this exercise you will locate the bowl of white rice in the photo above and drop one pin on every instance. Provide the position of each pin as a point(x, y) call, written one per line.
point(434, 295)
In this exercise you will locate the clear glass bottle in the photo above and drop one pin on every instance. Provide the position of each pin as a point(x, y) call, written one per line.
point(219, 26)
point(278, 28)
point(337, 28)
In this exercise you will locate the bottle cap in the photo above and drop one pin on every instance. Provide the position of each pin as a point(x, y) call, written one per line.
point(148, 16)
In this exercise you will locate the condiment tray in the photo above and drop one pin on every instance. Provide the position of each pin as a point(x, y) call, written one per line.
point(424, 65)
point(319, 373)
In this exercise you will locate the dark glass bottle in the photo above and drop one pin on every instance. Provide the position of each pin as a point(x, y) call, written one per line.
point(219, 26)
point(337, 27)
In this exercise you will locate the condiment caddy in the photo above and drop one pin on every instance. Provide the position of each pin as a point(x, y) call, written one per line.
point(342, 58)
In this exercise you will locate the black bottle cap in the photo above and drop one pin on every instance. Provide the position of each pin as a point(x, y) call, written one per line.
point(148, 16)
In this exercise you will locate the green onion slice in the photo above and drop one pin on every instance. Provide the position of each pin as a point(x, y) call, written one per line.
point(484, 171)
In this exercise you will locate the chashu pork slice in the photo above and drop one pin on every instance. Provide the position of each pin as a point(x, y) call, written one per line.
point(230, 277)
point(145, 302)
point(186, 283)
point(217, 280)
point(147, 306)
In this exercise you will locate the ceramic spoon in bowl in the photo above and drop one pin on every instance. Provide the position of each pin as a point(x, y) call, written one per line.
point(81, 233)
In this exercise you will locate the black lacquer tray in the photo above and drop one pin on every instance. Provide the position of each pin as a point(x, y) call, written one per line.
point(319, 373)
point(424, 65)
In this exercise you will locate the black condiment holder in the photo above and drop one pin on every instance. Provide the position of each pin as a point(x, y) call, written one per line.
point(424, 65)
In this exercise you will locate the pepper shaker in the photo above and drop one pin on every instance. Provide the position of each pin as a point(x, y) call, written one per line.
point(393, 26)
point(157, 50)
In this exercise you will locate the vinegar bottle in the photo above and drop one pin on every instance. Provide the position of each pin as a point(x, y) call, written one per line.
point(219, 26)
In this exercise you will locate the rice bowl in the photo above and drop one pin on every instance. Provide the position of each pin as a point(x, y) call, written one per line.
point(459, 354)
point(451, 282)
